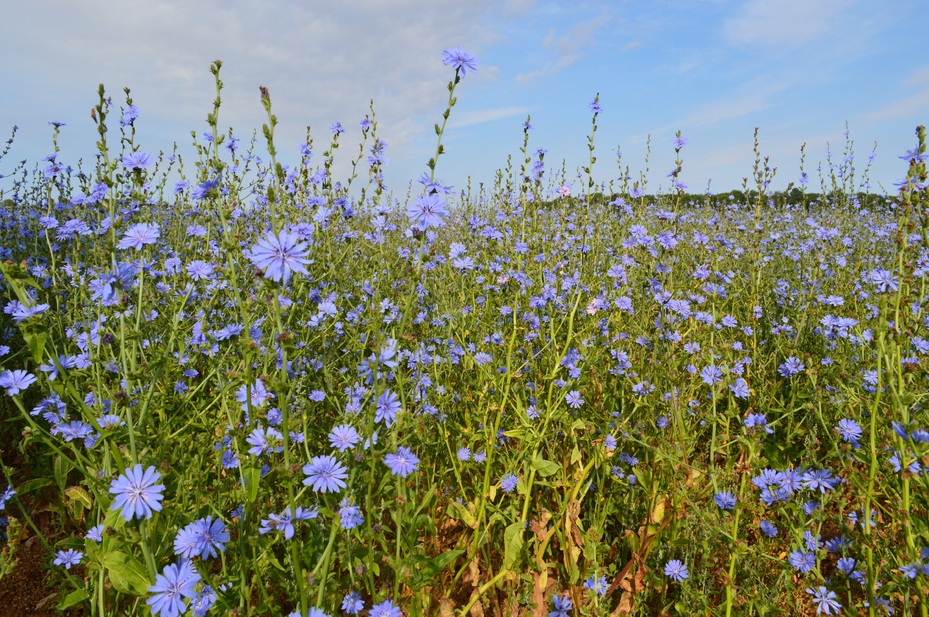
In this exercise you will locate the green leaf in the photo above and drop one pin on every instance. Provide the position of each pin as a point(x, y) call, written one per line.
point(17, 278)
point(440, 561)
point(461, 513)
point(252, 479)
point(31, 485)
point(73, 598)
point(71, 542)
point(118, 458)
point(36, 342)
point(545, 468)
point(127, 575)
point(512, 543)
point(423, 523)
point(277, 564)
point(574, 573)
point(427, 568)
point(575, 455)
point(114, 518)
point(80, 495)
point(496, 517)
point(61, 468)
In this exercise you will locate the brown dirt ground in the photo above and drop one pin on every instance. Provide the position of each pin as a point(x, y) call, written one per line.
point(27, 591)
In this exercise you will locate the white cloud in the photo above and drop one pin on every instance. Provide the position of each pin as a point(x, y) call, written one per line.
point(780, 23)
point(751, 98)
point(322, 62)
point(519, 7)
point(906, 107)
point(918, 78)
point(577, 37)
point(567, 47)
point(730, 107)
point(481, 116)
point(549, 69)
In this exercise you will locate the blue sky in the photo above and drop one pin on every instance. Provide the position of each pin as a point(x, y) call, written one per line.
point(713, 69)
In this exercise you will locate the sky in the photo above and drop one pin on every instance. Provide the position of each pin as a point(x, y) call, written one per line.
point(798, 70)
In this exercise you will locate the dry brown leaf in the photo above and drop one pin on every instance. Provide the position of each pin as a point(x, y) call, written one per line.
point(640, 573)
point(540, 590)
point(620, 578)
point(626, 602)
point(446, 608)
point(477, 609)
point(45, 601)
point(513, 609)
point(473, 575)
point(448, 525)
point(573, 514)
point(539, 526)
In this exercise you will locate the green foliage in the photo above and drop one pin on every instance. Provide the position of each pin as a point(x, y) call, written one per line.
point(577, 395)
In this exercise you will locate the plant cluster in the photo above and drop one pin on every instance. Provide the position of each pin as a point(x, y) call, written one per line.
point(259, 390)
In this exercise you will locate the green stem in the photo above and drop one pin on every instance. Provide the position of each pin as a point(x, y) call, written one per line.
point(441, 129)
point(398, 537)
point(481, 591)
point(324, 563)
point(147, 549)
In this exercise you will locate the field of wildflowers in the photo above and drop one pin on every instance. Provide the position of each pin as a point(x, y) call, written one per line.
point(261, 390)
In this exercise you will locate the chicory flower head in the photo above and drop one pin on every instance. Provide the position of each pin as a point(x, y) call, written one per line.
point(136, 492)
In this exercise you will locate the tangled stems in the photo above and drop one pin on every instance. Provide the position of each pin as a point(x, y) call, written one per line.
point(491, 437)
point(901, 402)
point(285, 412)
point(533, 352)
point(734, 530)
point(524, 515)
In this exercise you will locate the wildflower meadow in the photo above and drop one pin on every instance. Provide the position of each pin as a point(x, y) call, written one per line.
point(232, 386)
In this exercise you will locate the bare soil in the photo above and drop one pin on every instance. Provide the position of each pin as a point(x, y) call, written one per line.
point(25, 590)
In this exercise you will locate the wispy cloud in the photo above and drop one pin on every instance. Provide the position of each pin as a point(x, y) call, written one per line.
point(321, 65)
point(918, 78)
point(549, 69)
point(713, 68)
point(577, 37)
point(566, 47)
point(481, 116)
point(729, 107)
point(903, 108)
point(908, 106)
point(783, 23)
point(755, 97)
point(518, 7)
